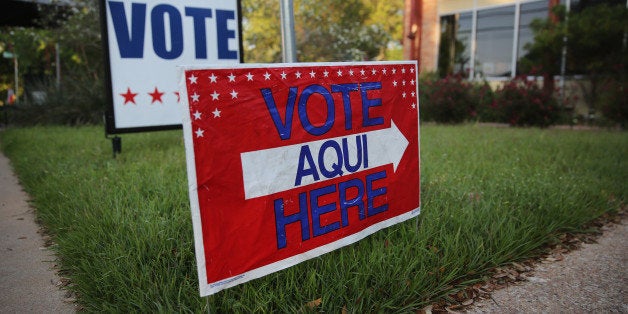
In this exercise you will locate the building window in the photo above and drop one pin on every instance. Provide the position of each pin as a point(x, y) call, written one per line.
point(455, 48)
point(489, 42)
point(529, 12)
point(494, 37)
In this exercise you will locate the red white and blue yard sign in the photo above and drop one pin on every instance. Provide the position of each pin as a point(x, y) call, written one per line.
point(290, 161)
point(146, 40)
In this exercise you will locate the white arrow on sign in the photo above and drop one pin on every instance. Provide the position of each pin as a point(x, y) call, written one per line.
point(274, 170)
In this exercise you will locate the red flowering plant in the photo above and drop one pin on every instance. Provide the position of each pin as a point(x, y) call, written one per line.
point(447, 100)
point(522, 102)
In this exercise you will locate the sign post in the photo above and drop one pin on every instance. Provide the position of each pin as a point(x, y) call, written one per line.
point(145, 41)
point(290, 161)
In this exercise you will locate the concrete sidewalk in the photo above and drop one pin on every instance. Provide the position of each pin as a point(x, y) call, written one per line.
point(592, 279)
point(28, 282)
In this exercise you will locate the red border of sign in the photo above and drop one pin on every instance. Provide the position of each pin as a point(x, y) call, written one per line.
point(208, 288)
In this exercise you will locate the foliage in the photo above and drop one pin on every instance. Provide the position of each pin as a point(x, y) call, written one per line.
point(451, 51)
point(598, 49)
point(77, 103)
point(543, 55)
point(123, 231)
point(486, 107)
point(595, 40)
point(261, 31)
point(78, 97)
point(594, 34)
point(447, 100)
point(613, 101)
point(522, 102)
point(330, 30)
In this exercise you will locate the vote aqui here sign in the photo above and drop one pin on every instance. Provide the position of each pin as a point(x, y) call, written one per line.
point(145, 42)
point(290, 161)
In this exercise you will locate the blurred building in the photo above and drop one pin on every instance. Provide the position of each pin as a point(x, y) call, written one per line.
point(481, 38)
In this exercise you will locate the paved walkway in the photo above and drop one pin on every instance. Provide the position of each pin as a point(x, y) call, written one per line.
point(28, 284)
point(592, 279)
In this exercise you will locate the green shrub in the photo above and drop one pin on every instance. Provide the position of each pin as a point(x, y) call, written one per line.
point(75, 102)
point(523, 102)
point(486, 108)
point(613, 102)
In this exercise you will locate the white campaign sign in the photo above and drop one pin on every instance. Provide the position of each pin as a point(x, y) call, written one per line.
point(148, 39)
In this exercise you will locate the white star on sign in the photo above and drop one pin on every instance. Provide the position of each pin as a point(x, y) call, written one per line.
point(411, 70)
point(326, 73)
point(412, 94)
point(212, 78)
point(374, 71)
point(351, 72)
point(339, 72)
point(234, 94)
point(298, 74)
point(403, 94)
point(215, 95)
point(231, 77)
point(394, 83)
point(199, 133)
point(413, 105)
point(283, 75)
point(394, 70)
point(403, 82)
point(384, 71)
point(267, 76)
point(312, 73)
point(412, 82)
point(216, 113)
point(197, 115)
point(403, 70)
point(249, 77)
point(192, 79)
point(362, 72)
point(195, 97)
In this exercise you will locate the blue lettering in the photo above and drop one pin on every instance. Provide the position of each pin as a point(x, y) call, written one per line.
point(157, 18)
point(167, 30)
point(131, 44)
point(357, 201)
point(345, 153)
point(318, 210)
point(200, 35)
point(331, 166)
point(336, 166)
point(361, 189)
point(283, 129)
point(367, 103)
point(345, 89)
point(371, 194)
point(305, 121)
point(281, 220)
point(305, 155)
point(224, 34)
point(365, 162)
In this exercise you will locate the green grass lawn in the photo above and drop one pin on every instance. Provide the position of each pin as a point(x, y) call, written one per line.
point(490, 196)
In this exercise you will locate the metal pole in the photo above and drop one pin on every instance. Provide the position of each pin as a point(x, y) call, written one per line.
point(474, 29)
point(515, 42)
point(58, 65)
point(563, 57)
point(289, 51)
point(15, 70)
